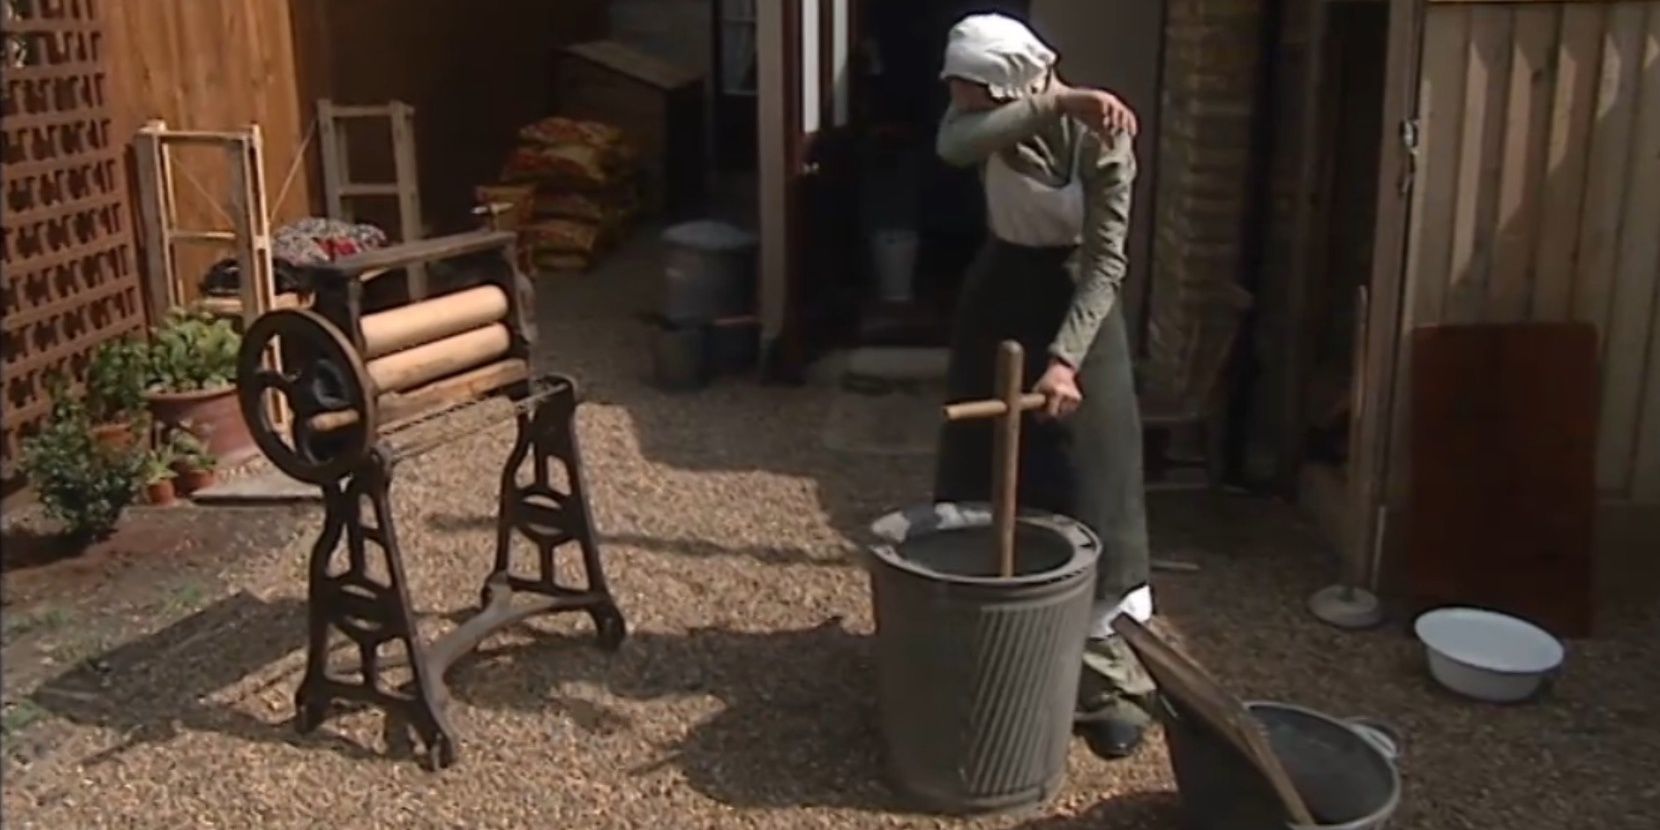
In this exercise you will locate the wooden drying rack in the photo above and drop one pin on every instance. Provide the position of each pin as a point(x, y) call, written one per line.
point(338, 187)
point(249, 236)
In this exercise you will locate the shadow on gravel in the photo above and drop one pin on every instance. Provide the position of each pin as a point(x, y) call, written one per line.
point(797, 728)
point(153, 689)
point(1133, 811)
point(693, 548)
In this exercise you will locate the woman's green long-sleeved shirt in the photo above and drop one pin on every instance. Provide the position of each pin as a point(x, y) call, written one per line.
point(1039, 141)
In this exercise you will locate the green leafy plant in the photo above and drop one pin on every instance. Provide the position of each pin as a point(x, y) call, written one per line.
point(158, 465)
point(115, 380)
point(192, 350)
point(79, 483)
point(186, 450)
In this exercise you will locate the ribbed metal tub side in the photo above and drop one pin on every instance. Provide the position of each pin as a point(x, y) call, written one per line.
point(978, 675)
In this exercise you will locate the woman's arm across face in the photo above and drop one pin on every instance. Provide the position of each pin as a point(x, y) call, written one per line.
point(968, 96)
point(976, 126)
point(1108, 172)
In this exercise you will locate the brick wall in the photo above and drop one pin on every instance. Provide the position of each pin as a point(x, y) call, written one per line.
point(1212, 70)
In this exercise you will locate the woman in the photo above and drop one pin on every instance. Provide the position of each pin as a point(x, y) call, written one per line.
point(1058, 169)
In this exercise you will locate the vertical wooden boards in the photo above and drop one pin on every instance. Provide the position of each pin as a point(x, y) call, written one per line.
point(1536, 198)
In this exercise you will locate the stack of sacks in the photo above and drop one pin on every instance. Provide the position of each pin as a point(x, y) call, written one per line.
point(585, 190)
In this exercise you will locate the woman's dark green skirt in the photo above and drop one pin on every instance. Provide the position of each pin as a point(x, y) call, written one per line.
point(1086, 466)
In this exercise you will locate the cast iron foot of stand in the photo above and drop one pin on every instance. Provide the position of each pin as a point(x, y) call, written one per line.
point(551, 518)
point(407, 714)
point(528, 598)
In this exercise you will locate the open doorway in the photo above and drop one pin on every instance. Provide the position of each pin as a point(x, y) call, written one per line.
point(918, 214)
point(884, 230)
point(734, 85)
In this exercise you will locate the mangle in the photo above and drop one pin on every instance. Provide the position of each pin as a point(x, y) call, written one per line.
point(368, 391)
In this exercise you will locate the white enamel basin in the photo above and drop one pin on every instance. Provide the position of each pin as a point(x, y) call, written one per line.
point(1487, 655)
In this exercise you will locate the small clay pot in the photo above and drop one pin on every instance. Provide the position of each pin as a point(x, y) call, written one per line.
point(116, 437)
point(189, 481)
point(160, 493)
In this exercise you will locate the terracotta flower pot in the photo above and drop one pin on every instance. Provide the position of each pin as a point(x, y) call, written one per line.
point(190, 481)
point(115, 437)
point(214, 415)
point(160, 493)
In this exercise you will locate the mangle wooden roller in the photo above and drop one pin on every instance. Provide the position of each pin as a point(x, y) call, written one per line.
point(352, 373)
point(354, 383)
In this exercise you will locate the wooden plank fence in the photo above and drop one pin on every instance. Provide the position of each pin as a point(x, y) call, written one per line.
point(1538, 198)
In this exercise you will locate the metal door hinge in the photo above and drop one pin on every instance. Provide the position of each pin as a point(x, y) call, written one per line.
point(1409, 142)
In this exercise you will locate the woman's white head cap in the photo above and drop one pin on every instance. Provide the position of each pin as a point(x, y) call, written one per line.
point(999, 52)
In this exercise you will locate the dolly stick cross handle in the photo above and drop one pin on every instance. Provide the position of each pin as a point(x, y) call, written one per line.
point(1007, 409)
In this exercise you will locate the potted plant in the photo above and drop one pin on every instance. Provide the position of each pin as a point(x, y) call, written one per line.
point(115, 392)
point(158, 477)
point(80, 483)
point(192, 379)
point(192, 460)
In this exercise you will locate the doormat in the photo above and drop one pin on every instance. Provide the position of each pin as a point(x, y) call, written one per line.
point(871, 417)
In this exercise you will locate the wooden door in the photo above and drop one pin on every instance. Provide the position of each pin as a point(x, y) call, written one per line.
point(1523, 195)
point(1368, 464)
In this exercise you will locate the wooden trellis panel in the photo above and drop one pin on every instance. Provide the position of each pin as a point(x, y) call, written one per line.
point(70, 277)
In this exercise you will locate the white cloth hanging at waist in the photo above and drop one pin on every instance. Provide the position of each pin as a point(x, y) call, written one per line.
point(1138, 604)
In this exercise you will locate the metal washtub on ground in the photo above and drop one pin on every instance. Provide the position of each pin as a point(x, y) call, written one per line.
point(1345, 770)
point(977, 672)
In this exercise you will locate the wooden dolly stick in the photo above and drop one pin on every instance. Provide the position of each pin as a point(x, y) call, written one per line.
point(1005, 470)
point(1006, 467)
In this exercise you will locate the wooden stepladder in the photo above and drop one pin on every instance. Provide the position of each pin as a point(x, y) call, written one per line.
point(1007, 408)
point(339, 189)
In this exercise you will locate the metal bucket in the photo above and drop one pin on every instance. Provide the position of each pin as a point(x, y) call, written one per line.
point(894, 251)
point(1345, 771)
point(679, 357)
point(708, 272)
point(734, 348)
point(978, 675)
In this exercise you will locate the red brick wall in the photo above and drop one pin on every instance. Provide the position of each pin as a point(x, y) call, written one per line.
point(1212, 70)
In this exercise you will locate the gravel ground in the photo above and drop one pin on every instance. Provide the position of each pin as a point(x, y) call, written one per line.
point(744, 697)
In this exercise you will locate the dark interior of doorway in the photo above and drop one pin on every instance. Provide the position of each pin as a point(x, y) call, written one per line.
point(1345, 193)
point(880, 178)
point(735, 81)
point(904, 186)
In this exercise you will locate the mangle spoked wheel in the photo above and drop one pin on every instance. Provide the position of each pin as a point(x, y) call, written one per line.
point(325, 386)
